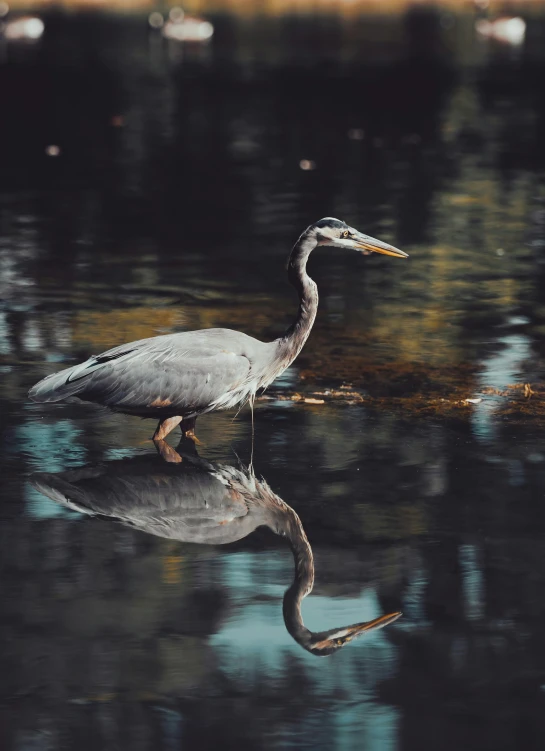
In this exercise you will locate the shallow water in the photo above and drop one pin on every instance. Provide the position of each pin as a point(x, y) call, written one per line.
point(172, 206)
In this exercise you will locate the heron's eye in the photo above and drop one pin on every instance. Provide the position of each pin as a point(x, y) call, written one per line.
point(339, 642)
point(345, 233)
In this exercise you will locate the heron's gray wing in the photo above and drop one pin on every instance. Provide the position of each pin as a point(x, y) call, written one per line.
point(178, 382)
point(71, 381)
point(180, 374)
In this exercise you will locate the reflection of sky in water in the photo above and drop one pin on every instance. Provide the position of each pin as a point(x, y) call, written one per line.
point(112, 454)
point(360, 727)
point(32, 336)
point(54, 446)
point(413, 600)
point(172, 725)
point(352, 727)
point(5, 347)
point(288, 379)
point(472, 582)
point(498, 371)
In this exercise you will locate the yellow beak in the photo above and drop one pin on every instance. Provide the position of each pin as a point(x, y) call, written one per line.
point(371, 244)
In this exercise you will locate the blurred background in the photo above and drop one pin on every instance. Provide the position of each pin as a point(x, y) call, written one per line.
point(157, 163)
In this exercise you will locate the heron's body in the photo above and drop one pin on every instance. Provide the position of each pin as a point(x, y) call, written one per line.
point(177, 377)
point(182, 374)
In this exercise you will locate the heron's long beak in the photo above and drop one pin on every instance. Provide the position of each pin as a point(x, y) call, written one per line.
point(364, 242)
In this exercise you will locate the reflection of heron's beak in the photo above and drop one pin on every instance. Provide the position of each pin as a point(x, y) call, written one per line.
point(370, 244)
point(338, 637)
point(360, 628)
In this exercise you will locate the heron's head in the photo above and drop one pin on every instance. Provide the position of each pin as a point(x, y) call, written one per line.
point(331, 641)
point(333, 232)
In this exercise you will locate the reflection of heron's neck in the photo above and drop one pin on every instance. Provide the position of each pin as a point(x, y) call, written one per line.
point(303, 580)
point(297, 334)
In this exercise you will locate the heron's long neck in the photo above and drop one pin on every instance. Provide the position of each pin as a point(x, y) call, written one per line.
point(303, 579)
point(293, 340)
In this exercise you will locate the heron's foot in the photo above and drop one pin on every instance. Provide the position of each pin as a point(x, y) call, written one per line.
point(166, 452)
point(188, 430)
point(190, 435)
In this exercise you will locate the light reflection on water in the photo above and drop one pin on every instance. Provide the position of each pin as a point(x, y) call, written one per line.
point(182, 219)
point(499, 371)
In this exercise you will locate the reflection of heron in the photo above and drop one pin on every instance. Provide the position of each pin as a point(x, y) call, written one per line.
point(196, 501)
point(180, 376)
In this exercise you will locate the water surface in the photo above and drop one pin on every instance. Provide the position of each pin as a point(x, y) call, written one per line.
point(173, 204)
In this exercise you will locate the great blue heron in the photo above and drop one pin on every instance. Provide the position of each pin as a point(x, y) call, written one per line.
point(200, 502)
point(177, 377)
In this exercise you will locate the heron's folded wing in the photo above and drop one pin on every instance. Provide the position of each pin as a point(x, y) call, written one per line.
point(149, 380)
point(72, 381)
point(187, 381)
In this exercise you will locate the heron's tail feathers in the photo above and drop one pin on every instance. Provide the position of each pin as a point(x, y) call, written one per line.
point(56, 387)
point(74, 380)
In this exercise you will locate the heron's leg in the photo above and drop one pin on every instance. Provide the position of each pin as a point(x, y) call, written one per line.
point(165, 426)
point(188, 430)
point(166, 452)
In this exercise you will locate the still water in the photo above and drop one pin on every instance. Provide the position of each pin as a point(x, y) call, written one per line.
point(149, 604)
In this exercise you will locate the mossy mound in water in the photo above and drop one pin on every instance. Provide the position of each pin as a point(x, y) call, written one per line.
point(453, 391)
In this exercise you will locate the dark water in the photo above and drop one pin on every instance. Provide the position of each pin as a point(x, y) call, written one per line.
point(172, 205)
